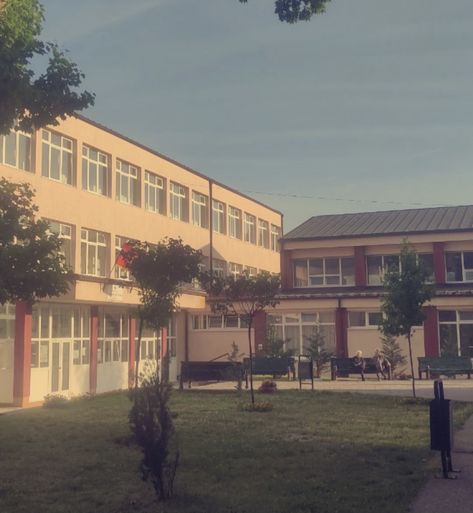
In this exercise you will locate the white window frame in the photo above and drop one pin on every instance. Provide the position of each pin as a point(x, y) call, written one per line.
point(93, 246)
point(234, 269)
point(155, 193)
point(234, 222)
point(263, 233)
point(367, 324)
point(381, 270)
point(65, 149)
point(219, 267)
point(465, 271)
point(102, 173)
point(324, 276)
point(64, 231)
point(218, 217)
point(178, 201)
point(249, 228)
point(129, 174)
point(120, 272)
point(200, 209)
point(23, 164)
point(275, 235)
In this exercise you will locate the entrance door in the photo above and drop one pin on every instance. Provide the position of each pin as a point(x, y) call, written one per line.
point(60, 363)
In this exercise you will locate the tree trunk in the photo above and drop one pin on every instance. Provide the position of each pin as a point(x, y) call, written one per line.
point(412, 365)
point(250, 324)
point(138, 352)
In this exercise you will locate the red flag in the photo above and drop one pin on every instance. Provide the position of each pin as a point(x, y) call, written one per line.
point(123, 258)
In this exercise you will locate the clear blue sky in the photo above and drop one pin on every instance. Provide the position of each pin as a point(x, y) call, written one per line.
point(368, 107)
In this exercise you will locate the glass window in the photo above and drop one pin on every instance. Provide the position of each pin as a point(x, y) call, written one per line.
point(218, 216)
point(375, 318)
point(263, 233)
point(94, 253)
point(121, 273)
point(356, 319)
point(57, 158)
point(200, 215)
point(234, 222)
point(459, 266)
point(275, 236)
point(215, 321)
point(95, 171)
point(219, 267)
point(65, 234)
point(127, 183)
point(155, 193)
point(317, 272)
point(85, 352)
point(235, 269)
point(44, 353)
point(76, 359)
point(178, 202)
point(249, 228)
point(15, 150)
point(300, 273)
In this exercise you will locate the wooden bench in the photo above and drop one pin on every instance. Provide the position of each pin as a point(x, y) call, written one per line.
point(210, 371)
point(448, 365)
point(271, 366)
point(345, 367)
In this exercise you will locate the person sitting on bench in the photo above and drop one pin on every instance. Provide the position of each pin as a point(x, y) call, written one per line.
point(359, 364)
point(382, 364)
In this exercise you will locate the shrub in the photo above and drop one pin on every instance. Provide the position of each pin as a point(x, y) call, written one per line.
point(55, 401)
point(261, 407)
point(268, 387)
point(151, 423)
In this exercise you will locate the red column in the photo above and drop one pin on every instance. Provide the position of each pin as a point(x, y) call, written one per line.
point(360, 266)
point(94, 333)
point(341, 332)
point(431, 331)
point(439, 262)
point(259, 325)
point(131, 351)
point(287, 279)
point(22, 354)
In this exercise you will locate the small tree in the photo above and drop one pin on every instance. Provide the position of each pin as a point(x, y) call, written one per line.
point(393, 352)
point(152, 425)
point(405, 292)
point(26, 101)
point(244, 294)
point(158, 271)
point(292, 11)
point(31, 263)
point(317, 350)
point(275, 346)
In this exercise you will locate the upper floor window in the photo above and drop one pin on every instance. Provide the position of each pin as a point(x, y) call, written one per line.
point(234, 222)
point(57, 157)
point(378, 265)
point(65, 234)
point(179, 200)
point(459, 266)
point(120, 272)
point(155, 193)
point(15, 150)
point(93, 253)
point(249, 228)
point(320, 272)
point(275, 235)
point(263, 233)
point(127, 187)
point(200, 210)
point(218, 216)
point(94, 171)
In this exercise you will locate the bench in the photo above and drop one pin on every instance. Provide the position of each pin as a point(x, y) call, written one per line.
point(448, 365)
point(345, 367)
point(210, 371)
point(271, 366)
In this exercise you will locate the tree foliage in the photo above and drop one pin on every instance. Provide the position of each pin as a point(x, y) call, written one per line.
point(31, 264)
point(158, 271)
point(243, 294)
point(151, 423)
point(292, 11)
point(316, 349)
point(274, 345)
point(28, 101)
point(406, 291)
point(393, 352)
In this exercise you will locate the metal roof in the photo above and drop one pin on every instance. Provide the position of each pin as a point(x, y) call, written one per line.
point(390, 222)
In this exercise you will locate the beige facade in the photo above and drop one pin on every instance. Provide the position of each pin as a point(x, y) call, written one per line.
point(100, 189)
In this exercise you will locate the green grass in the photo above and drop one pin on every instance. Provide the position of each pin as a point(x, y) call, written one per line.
point(314, 453)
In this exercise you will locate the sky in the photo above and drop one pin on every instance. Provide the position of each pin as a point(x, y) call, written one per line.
point(366, 107)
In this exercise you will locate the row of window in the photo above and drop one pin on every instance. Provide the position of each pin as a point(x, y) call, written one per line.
point(208, 322)
point(340, 271)
point(57, 163)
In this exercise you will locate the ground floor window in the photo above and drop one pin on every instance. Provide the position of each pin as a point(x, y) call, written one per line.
point(456, 333)
point(297, 328)
point(7, 335)
point(113, 339)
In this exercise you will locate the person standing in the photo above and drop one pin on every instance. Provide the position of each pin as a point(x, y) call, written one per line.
point(359, 363)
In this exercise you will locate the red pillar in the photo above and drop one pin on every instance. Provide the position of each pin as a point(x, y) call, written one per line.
point(439, 262)
point(360, 266)
point(259, 325)
point(22, 354)
point(341, 332)
point(131, 351)
point(94, 333)
point(431, 331)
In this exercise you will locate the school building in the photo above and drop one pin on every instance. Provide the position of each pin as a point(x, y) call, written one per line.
point(100, 189)
point(332, 269)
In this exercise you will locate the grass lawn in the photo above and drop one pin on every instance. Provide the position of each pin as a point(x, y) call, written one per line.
point(314, 453)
